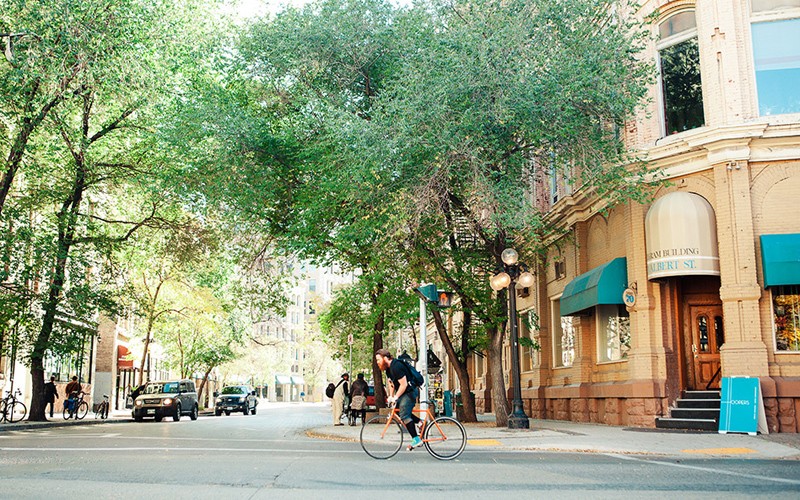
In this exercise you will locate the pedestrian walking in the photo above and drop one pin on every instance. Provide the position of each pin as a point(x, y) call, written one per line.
point(50, 394)
point(342, 391)
point(358, 399)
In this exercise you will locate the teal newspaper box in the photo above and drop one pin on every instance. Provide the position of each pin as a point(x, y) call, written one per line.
point(739, 405)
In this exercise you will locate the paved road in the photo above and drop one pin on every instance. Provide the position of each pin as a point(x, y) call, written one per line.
point(269, 456)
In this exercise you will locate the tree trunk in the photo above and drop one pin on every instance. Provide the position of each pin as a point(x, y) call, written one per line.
point(377, 374)
point(202, 386)
point(460, 367)
point(67, 217)
point(499, 397)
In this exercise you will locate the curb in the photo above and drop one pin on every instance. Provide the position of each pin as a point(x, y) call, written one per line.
point(55, 423)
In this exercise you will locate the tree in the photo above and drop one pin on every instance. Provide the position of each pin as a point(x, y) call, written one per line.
point(414, 135)
point(97, 150)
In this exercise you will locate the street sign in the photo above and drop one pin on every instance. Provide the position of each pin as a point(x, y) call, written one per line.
point(429, 292)
point(350, 339)
point(739, 405)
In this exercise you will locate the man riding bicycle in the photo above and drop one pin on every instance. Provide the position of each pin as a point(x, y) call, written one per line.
point(401, 392)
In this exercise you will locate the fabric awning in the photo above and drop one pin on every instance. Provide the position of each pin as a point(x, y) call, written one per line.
point(298, 380)
point(602, 285)
point(780, 256)
point(681, 237)
point(282, 380)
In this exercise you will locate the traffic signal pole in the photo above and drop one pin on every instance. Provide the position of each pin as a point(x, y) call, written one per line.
point(422, 363)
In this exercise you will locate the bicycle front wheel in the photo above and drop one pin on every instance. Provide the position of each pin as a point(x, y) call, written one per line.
point(82, 410)
point(445, 438)
point(16, 411)
point(381, 437)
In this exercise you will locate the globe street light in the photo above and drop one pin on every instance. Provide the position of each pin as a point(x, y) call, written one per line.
point(514, 272)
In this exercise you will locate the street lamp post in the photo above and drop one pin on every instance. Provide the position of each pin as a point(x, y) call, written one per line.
point(514, 272)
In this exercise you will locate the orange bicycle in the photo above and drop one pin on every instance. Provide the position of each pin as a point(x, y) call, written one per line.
point(444, 437)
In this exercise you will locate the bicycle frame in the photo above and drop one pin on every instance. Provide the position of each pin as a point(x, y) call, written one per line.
point(425, 416)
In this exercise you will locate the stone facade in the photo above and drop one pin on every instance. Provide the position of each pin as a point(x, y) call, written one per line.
point(747, 167)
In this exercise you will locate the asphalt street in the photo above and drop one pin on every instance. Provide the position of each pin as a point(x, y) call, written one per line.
point(269, 455)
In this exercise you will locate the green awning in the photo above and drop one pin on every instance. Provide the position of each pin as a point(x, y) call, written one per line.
point(282, 380)
point(602, 285)
point(298, 380)
point(780, 255)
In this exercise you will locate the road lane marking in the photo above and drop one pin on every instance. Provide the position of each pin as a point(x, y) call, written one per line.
point(145, 448)
point(484, 442)
point(720, 451)
point(706, 469)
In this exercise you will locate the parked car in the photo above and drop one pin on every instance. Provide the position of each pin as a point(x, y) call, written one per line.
point(235, 398)
point(172, 398)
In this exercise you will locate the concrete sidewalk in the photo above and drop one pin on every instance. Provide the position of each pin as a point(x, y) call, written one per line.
point(556, 435)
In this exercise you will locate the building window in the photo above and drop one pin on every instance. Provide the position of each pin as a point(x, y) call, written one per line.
point(679, 59)
point(613, 332)
point(563, 337)
point(529, 329)
point(776, 56)
point(478, 366)
point(786, 316)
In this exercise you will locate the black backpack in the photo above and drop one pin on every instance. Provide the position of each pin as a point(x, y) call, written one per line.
point(415, 378)
point(330, 390)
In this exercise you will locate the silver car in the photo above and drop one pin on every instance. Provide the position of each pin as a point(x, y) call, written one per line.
point(172, 398)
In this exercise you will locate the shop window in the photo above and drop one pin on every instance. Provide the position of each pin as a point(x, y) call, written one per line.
point(478, 366)
point(679, 60)
point(563, 337)
point(776, 56)
point(786, 317)
point(613, 332)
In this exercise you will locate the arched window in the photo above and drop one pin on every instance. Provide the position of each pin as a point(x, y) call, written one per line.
point(776, 55)
point(679, 61)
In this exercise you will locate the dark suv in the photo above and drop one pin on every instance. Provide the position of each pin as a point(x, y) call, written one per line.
point(171, 398)
point(235, 398)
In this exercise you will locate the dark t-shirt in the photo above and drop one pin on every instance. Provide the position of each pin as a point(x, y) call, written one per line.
point(397, 370)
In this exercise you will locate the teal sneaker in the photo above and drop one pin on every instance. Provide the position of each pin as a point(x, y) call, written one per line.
point(416, 442)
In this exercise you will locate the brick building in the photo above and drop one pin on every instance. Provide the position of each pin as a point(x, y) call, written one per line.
point(712, 265)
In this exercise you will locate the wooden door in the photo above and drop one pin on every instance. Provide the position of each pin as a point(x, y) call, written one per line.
point(708, 335)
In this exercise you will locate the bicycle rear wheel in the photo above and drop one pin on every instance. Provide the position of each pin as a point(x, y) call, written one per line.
point(82, 410)
point(445, 438)
point(381, 437)
point(100, 411)
point(16, 411)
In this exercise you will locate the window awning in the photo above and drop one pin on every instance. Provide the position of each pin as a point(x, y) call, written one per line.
point(681, 237)
point(602, 285)
point(298, 380)
point(282, 380)
point(780, 255)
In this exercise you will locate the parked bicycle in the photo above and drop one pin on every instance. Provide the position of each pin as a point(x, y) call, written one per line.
point(11, 408)
point(75, 406)
point(101, 411)
point(444, 437)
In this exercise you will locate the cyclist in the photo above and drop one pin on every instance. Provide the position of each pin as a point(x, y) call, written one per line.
point(71, 392)
point(401, 392)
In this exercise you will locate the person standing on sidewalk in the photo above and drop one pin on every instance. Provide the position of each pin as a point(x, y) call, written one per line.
point(401, 391)
point(50, 394)
point(358, 399)
point(342, 390)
